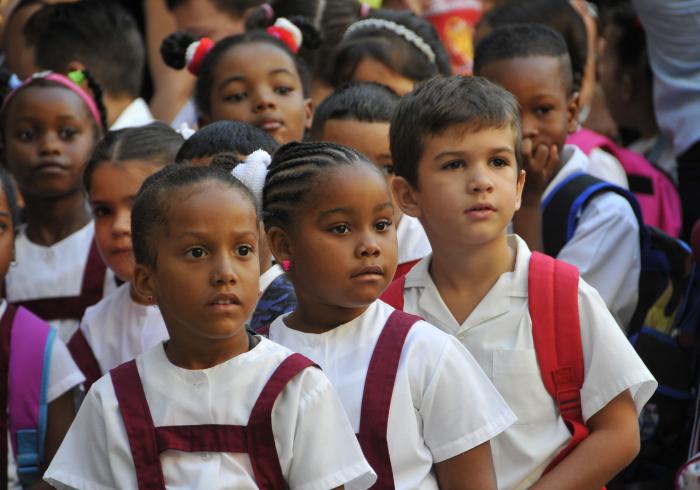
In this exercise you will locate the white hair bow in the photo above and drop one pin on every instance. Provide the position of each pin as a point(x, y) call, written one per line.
point(252, 173)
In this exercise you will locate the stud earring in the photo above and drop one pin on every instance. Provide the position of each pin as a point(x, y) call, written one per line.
point(286, 265)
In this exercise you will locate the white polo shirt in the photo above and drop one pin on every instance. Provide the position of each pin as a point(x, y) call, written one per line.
point(442, 404)
point(498, 333)
point(316, 446)
point(605, 245)
point(413, 242)
point(118, 329)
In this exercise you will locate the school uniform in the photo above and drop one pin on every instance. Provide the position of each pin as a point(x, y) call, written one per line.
point(118, 329)
point(498, 333)
point(312, 437)
point(136, 114)
point(55, 271)
point(605, 245)
point(605, 166)
point(413, 242)
point(277, 297)
point(441, 403)
point(64, 375)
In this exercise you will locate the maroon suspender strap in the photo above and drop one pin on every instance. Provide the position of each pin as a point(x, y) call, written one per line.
point(84, 357)
point(73, 307)
point(261, 440)
point(139, 426)
point(264, 330)
point(197, 438)
point(378, 391)
point(393, 295)
point(5, 336)
point(556, 331)
point(405, 268)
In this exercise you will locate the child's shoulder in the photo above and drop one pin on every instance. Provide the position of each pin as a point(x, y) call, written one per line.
point(113, 306)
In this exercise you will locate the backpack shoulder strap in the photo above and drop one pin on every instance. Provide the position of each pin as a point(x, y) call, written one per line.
point(138, 422)
point(378, 391)
point(5, 333)
point(83, 356)
point(261, 439)
point(393, 295)
point(562, 208)
point(556, 332)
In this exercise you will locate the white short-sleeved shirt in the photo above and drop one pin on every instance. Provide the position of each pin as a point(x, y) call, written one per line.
point(136, 114)
point(64, 375)
point(315, 443)
point(499, 335)
point(605, 166)
point(54, 271)
point(413, 242)
point(605, 245)
point(119, 329)
point(442, 404)
point(268, 277)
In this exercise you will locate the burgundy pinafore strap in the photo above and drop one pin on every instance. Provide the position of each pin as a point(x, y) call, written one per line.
point(83, 356)
point(73, 307)
point(378, 391)
point(257, 439)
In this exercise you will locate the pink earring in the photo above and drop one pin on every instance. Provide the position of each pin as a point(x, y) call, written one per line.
point(287, 265)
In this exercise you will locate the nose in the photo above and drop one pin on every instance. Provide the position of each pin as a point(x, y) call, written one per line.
point(223, 270)
point(264, 100)
point(368, 246)
point(529, 125)
point(122, 223)
point(479, 180)
point(49, 144)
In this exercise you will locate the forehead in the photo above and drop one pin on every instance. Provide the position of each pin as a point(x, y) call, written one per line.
point(528, 76)
point(256, 59)
point(350, 186)
point(369, 138)
point(468, 138)
point(46, 102)
point(116, 178)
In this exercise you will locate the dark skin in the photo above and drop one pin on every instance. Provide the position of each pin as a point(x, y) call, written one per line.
point(347, 225)
point(47, 139)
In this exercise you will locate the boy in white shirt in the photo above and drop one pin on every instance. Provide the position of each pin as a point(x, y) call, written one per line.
point(457, 148)
point(532, 62)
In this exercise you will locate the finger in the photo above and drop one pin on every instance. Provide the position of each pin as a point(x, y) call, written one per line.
point(540, 158)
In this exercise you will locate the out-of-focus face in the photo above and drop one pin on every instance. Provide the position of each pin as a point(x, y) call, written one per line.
point(202, 18)
point(371, 70)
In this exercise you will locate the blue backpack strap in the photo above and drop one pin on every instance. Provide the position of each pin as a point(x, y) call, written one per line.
point(561, 210)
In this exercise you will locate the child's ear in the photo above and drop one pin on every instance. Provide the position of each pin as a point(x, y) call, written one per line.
point(519, 185)
point(308, 113)
point(573, 109)
point(405, 196)
point(144, 283)
point(279, 243)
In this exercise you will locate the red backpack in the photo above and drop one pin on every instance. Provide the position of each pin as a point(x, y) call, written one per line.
point(556, 331)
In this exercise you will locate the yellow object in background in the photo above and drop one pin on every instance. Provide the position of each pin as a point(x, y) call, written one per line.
point(375, 4)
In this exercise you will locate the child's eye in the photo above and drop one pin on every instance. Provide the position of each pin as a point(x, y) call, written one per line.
point(388, 169)
point(244, 250)
point(499, 162)
point(67, 133)
point(101, 211)
point(341, 229)
point(283, 90)
point(26, 135)
point(235, 97)
point(543, 110)
point(454, 164)
point(383, 225)
point(196, 252)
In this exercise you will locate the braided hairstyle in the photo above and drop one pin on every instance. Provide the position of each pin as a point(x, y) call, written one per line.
point(293, 173)
point(156, 198)
point(174, 53)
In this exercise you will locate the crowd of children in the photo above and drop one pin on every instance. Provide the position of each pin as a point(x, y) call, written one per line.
point(320, 259)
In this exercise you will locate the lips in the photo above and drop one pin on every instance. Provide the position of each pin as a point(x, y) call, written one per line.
point(224, 300)
point(121, 250)
point(270, 124)
point(50, 167)
point(482, 207)
point(369, 271)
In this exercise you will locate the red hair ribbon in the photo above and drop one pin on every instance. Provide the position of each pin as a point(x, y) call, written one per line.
point(204, 45)
point(287, 32)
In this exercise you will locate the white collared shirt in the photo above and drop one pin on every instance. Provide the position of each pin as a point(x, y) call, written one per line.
point(315, 444)
point(119, 329)
point(413, 242)
point(53, 271)
point(136, 114)
point(268, 277)
point(605, 246)
point(442, 404)
point(64, 375)
point(498, 333)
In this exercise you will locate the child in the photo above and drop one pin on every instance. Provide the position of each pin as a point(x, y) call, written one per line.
point(124, 324)
point(48, 128)
point(215, 19)
point(456, 146)
point(423, 409)
point(253, 77)
point(102, 37)
point(531, 61)
point(395, 48)
point(37, 397)
point(237, 138)
point(357, 115)
point(195, 235)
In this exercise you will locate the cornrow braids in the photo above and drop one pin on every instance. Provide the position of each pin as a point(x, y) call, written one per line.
point(293, 173)
point(97, 96)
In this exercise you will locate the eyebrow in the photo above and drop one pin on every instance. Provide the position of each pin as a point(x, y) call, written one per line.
point(240, 78)
point(455, 153)
point(377, 208)
point(201, 234)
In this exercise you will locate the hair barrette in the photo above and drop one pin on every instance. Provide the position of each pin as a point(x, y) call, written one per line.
point(397, 29)
point(195, 54)
point(287, 32)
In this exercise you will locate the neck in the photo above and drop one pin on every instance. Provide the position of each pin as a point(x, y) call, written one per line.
point(313, 317)
point(115, 105)
point(188, 352)
point(51, 220)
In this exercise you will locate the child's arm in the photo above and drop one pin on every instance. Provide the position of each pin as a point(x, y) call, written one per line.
point(540, 165)
point(471, 469)
point(61, 413)
point(611, 446)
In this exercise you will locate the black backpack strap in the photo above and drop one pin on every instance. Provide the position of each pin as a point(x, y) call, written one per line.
point(562, 208)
